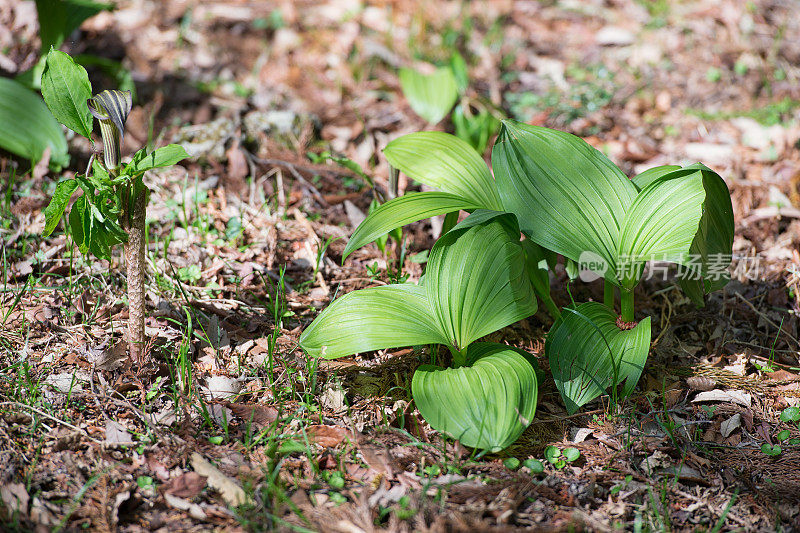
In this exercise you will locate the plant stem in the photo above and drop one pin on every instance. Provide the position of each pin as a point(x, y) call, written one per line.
point(550, 305)
point(608, 294)
point(450, 221)
point(134, 257)
point(626, 304)
point(459, 356)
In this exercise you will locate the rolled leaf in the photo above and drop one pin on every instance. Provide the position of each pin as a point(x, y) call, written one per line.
point(568, 197)
point(431, 96)
point(486, 405)
point(65, 88)
point(372, 319)
point(712, 246)
point(111, 109)
point(447, 163)
point(589, 353)
point(401, 211)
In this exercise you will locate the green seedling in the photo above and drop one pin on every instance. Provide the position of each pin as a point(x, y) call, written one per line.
point(570, 200)
point(771, 449)
point(783, 435)
point(512, 463)
point(790, 414)
point(113, 205)
point(488, 396)
point(534, 465)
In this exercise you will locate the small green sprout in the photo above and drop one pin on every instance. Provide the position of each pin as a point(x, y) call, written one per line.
point(512, 463)
point(790, 414)
point(771, 449)
point(534, 465)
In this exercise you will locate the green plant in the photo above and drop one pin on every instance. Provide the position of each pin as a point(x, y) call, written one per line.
point(534, 465)
point(112, 208)
point(790, 414)
point(475, 284)
point(771, 449)
point(432, 96)
point(569, 199)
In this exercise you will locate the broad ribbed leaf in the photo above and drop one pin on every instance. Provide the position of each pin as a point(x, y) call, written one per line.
point(431, 96)
point(568, 196)
point(58, 203)
point(162, 157)
point(372, 319)
point(662, 223)
point(588, 353)
point(401, 211)
point(647, 177)
point(476, 280)
point(447, 163)
point(27, 128)
point(486, 405)
point(713, 244)
point(65, 88)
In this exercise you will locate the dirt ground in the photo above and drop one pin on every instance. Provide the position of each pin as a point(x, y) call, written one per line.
point(229, 427)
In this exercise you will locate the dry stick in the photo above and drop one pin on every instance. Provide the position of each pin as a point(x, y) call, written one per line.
point(51, 417)
point(766, 318)
point(134, 256)
point(293, 169)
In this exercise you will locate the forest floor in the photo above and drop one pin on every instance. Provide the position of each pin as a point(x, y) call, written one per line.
point(229, 427)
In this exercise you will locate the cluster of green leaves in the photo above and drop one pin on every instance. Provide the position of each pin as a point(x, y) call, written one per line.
point(432, 96)
point(475, 283)
point(95, 217)
point(568, 199)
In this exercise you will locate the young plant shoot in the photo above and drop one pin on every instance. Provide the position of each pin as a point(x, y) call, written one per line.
point(570, 199)
point(113, 205)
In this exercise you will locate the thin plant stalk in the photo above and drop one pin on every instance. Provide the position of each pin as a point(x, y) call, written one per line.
point(135, 263)
point(626, 304)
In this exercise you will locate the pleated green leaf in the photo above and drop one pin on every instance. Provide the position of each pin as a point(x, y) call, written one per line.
point(431, 96)
point(447, 163)
point(476, 279)
point(588, 353)
point(712, 246)
point(65, 88)
point(647, 177)
point(34, 128)
point(486, 405)
point(662, 223)
point(475, 283)
point(401, 211)
point(372, 319)
point(568, 197)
